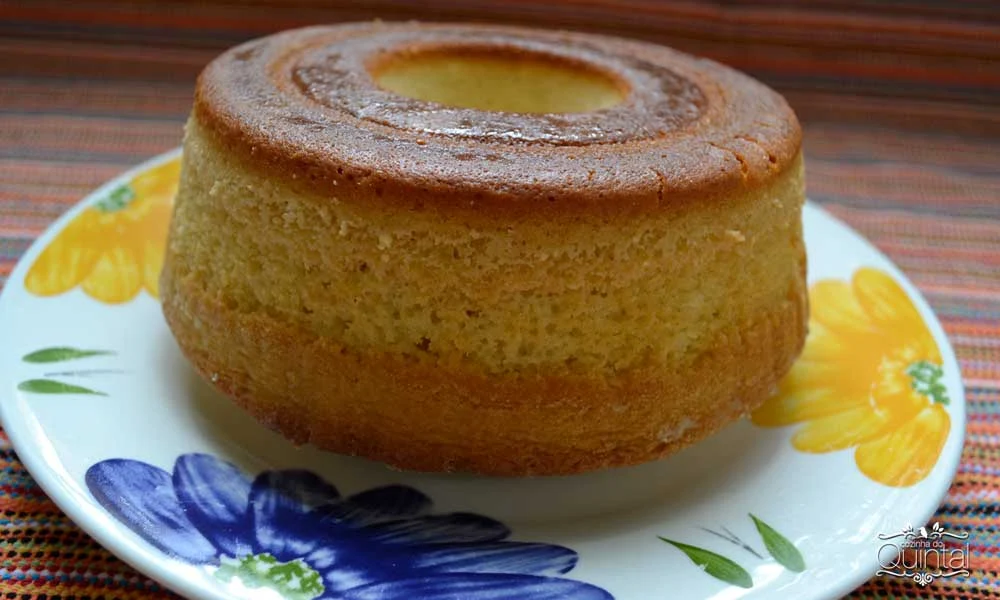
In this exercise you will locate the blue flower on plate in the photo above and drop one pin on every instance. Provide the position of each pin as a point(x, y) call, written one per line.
point(291, 531)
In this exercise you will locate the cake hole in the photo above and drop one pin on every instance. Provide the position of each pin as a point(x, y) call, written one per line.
point(498, 79)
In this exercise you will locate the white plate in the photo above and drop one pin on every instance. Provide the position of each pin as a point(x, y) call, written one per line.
point(181, 484)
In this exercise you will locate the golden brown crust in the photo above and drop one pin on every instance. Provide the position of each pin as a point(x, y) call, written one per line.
point(300, 106)
point(406, 413)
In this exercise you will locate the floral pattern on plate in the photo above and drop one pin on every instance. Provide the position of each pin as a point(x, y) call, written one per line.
point(292, 532)
point(725, 569)
point(60, 354)
point(113, 248)
point(870, 378)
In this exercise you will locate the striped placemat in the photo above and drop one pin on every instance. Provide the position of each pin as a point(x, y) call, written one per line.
point(900, 104)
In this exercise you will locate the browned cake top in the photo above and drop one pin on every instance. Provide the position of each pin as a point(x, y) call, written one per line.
point(305, 106)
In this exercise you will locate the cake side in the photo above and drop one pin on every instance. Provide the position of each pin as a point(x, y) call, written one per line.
point(549, 294)
point(439, 343)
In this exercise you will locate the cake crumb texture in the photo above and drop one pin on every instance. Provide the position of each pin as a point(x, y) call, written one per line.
point(549, 294)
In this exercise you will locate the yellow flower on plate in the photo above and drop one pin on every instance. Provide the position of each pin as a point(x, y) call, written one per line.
point(870, 378)
point(114, 248)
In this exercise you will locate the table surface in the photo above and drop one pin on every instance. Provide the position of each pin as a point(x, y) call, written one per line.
point(901, 111)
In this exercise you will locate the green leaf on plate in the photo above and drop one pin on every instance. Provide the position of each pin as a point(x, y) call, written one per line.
point(780, 548)
point(50, 355)
point(716, 565)
point(49, 386)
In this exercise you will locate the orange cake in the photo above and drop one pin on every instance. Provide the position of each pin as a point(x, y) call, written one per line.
point(487, 249)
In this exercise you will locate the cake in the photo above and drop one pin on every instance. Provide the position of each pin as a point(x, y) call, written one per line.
point(487, 249)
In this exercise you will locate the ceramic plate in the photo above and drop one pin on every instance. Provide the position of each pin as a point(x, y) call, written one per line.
point(861, 439)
